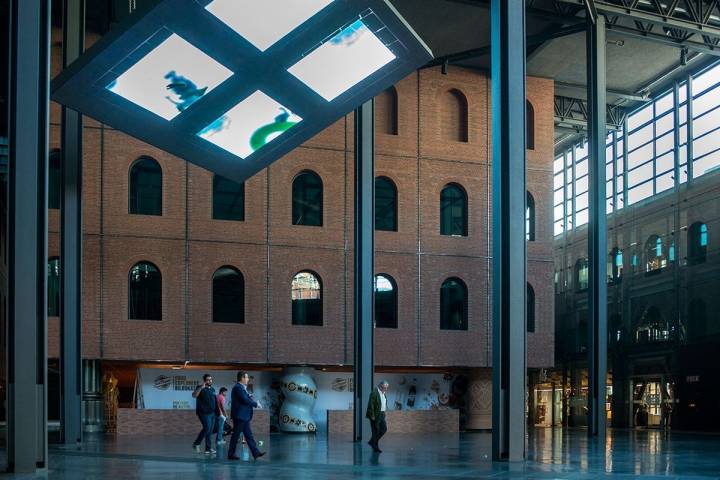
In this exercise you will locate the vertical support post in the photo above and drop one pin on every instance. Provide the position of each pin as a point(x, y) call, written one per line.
point(509, 248)
point(597, 229)
point(71, 239)
point(364, 290)
point(690, 131)
point(27, 227)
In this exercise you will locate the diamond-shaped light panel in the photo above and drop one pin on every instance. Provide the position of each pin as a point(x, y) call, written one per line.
point(170, 78)
point(343, 61)
point(264, 22)
point(250, 125)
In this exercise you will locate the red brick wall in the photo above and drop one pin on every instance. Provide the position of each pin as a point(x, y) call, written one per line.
point(188, 246)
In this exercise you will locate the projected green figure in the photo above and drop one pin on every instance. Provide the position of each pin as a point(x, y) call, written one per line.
point(263, 135)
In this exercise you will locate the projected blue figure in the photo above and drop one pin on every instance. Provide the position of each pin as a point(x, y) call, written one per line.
point(185, 90)
point(349, 34)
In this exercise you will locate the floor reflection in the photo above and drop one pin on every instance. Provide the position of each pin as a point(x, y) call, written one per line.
point(552, 453)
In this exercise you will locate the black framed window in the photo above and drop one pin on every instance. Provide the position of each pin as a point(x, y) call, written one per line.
point(697, 243)
point(144, 292)
point(530, 309)
point(145, 187)
point(529, 217)
point(54, 178)
point(228, 199)
point(53, 287)
point(228, 295)
point(615, 266)
point(454, 112)
point(529, 126)
point(453, 211)
point(386, 111)
point(655, 259)
point(386, 304)
point(453, 305)
point(581, 274)
point(386, 203)
point(307, 199)
point(306, 297)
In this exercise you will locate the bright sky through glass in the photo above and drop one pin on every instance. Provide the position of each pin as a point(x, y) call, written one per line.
point(170, 78)
point(264, 22)
point(343, 61)
point(250, 125)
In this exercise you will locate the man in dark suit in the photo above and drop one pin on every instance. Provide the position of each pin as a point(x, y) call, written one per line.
point(377, 405)
point(241, 412)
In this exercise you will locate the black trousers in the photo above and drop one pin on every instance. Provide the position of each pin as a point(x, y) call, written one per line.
point(379, 428)
point(242, 427)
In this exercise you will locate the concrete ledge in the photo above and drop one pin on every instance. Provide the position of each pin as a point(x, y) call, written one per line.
point(132, 421)
point(340, 422)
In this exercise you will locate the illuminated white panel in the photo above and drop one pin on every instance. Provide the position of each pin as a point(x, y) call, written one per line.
point(264, 22)
point(250, 125)
point(343, 61)
point(170, 78)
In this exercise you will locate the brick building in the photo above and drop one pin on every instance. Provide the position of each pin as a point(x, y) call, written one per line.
point(432, 130)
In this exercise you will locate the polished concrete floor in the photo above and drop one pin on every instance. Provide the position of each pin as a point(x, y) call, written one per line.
point(552, 454)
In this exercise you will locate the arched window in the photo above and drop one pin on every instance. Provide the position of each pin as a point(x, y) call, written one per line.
point(53, 287)
point(615, 266)
point(386, 112)
point(697, 319)
point(453, 211)
point(144, 292)
point(529, 126)
point(145, 187)
point(697, 243)
point(54, 178)
point(306, 296)
point(655, 259)
point(454, 117)
point(228, 294)
point(386, 203)
point(652, 326)
point(530, 218)
point(530, 309)
point(581, 274)
point(228, 199)
point(307, 199)
point(453, 305)
point(386, 305)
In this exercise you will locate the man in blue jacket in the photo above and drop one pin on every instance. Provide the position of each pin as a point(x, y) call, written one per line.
point(241, 412)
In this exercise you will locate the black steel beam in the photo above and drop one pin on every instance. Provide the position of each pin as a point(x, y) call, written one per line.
point(364, 255)
point(656, 17)
point(27, 227)
point(597, 230)
point(485, 49)
point(71, 240)
point(507, 28)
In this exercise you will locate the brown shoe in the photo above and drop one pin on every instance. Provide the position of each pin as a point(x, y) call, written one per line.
point(260, 454)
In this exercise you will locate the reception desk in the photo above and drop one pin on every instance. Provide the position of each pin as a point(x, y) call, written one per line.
point(340, 422)
point(133, 421)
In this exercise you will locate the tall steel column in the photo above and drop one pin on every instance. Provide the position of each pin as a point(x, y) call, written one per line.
point(597, 230)
point(509, 249)
point(364, 291)
point(71, 239)
point(27, 227)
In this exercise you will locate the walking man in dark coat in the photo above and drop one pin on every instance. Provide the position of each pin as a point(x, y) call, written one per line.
point(376, 414)
point(241, 411)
